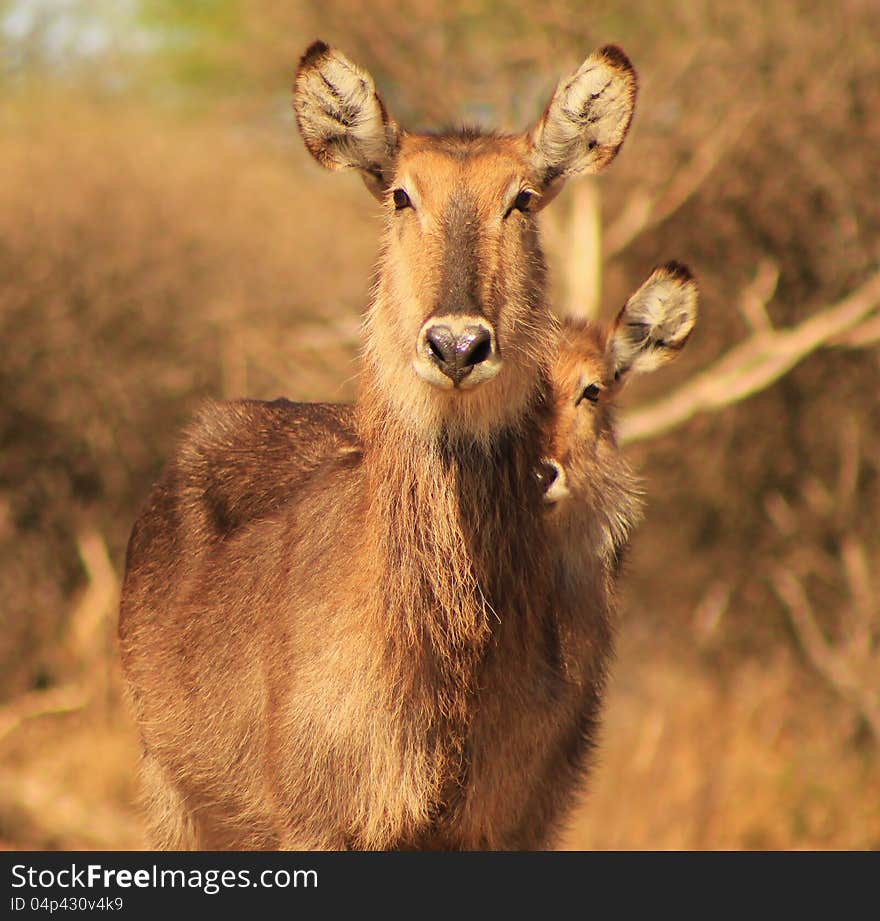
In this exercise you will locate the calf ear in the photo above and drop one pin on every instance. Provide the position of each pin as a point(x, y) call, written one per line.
point(587, 119)
point(655, 323)
point(342, 120)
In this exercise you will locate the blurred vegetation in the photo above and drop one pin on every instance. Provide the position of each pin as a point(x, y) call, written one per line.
point(164, 238)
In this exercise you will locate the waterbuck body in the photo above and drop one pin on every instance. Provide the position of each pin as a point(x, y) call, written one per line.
point(380, 661)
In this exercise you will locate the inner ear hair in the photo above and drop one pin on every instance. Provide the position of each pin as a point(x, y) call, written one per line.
point(656, 322)
point(341, 117)
point(586, 121)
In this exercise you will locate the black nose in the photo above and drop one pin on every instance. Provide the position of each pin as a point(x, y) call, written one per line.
point(547, 474)
point(457, 353)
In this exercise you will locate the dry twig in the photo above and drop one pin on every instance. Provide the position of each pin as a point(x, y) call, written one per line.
point(753, 365)
point(845, 666)
point(850, 661)
point(646, 209)
point(58, 812)
point(65, 699)
point(582, 240)
point(99, 600)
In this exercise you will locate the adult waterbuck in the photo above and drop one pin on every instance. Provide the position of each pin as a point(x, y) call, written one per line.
point(377, 663)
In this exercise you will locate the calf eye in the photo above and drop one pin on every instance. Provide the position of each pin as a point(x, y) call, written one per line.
point(401, 200)
point(591, 393)
point(522, 202)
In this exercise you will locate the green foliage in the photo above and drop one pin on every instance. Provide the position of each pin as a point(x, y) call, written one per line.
point(197, 41)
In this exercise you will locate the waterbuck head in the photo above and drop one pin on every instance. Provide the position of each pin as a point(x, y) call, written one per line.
point(459, 334)
point(586, 473)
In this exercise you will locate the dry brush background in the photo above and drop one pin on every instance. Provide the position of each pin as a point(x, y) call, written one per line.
point(164, 238)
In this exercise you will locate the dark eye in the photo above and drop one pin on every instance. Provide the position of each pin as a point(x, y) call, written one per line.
point(590, 393)
point(522, 202)
point(401, 200)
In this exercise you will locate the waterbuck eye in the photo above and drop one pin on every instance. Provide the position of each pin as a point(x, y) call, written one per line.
point(401, 200)
point(523, 200)
point(591, 393)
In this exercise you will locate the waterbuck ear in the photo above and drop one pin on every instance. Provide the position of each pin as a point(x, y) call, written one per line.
point(341, 118)
point(655, 323)
point(587, 119)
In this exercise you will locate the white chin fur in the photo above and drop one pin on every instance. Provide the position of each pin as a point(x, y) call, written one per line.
point(559, 487)
point(431, 374)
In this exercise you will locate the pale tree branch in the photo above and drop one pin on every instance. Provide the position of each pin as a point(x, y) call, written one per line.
point(582, 241)
point(832, 663)
point(58, 812)
point(862, 336)
point(849, 660)
point(757, 295)
point(646, 208)
point(98, 602)
point(827, 177)
point(860, 622)
point(66, 699)
point(850, 462)
point(86, 637)
point(751, 366)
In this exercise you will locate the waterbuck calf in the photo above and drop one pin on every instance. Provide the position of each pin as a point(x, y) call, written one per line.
point(587, 482)
point(378, 662)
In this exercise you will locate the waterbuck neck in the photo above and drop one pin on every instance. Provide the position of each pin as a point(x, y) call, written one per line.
point(461, 535)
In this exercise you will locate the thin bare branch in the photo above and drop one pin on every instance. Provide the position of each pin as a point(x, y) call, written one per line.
point(711, 609)
point(780, 512)
point(757, 295)
point(60, 813)
point(865, 335)
point(582, 239)
point(751, 366)
point(860, 621)
point(646, 209)
point(65, 699)
point(834, 666)
point(829, 178)
point(849, 659)
point(99, 599)
point(850, 464)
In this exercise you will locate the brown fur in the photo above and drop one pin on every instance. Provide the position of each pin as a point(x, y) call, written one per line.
point(361, 648)
point(595, 520)
point(600, 501)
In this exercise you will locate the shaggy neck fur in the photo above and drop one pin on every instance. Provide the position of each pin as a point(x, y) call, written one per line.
point(458, 520)
point(461, 554)
point(605, 505)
